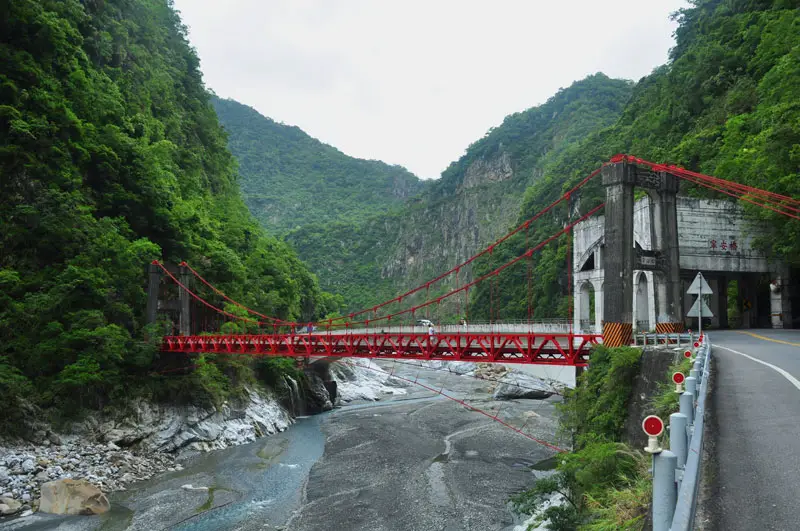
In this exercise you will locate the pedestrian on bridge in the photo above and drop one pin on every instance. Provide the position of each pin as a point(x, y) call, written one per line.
point(431, 332)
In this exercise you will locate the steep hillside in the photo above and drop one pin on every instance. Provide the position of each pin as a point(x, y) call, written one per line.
point(727, 104)
point(473, 203)
point(290, 179)
point(111, 156)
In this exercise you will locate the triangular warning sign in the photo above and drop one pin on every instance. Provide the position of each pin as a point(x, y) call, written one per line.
point(698, 283)
point(695, 311)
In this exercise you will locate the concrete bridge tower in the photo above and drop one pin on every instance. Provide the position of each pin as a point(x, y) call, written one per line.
point(622, 256)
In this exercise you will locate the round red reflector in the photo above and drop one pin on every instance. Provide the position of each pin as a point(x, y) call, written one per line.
point(653, 426)
point(678, 377)
point(696, 344)
point(687, 354)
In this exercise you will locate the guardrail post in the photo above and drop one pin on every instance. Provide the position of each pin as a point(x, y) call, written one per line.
point(678, 441)
point(665, 492)
point(691, 384)
point(687, 404)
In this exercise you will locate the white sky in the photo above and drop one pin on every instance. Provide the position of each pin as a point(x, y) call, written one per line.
point(414, 82)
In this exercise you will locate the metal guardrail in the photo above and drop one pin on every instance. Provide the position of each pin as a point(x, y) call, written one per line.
point(651, 338)
point(676, 472)
point(683, 519)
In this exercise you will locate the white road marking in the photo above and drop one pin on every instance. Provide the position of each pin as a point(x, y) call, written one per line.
point(794, 381)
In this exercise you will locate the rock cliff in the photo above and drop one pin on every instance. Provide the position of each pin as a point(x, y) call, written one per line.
point(477, 199)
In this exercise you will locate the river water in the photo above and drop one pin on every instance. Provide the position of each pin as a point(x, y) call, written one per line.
point(416, 461)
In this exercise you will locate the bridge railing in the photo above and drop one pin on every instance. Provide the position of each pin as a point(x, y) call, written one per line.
point(505, 347)
point(511, 326)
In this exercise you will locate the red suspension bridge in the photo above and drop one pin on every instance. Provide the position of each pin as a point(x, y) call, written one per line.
point(375, 333)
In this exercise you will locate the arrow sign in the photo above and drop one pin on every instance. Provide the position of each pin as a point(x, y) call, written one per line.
point(695, 311)
point(699, 283)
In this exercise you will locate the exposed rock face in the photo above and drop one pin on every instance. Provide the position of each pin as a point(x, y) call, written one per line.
point(72, 496)
point(484, 171)
point(190, 429)
point(364, 380)
point(318, 398)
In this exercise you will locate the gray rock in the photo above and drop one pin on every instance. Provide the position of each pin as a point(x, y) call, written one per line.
point(28, 466)
point(9, 506)
point(519, 385)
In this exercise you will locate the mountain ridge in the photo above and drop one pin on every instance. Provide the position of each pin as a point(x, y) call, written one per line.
point(289, 178)
point(473, 203)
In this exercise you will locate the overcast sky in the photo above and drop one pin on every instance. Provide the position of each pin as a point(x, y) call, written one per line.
point(414, 82)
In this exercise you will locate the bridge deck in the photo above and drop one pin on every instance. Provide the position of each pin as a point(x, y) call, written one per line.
point(532, 348)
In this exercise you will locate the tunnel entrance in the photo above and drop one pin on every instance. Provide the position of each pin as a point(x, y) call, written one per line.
point(746, 300)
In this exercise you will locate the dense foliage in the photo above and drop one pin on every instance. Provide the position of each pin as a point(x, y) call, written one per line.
point(604, 484)
point(727, 104)
point(110, 156)
point(597, 407)
point(603, 487)
point(290, 179)
point(473, 203)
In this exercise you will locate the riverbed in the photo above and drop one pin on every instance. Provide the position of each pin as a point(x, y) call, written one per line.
point(415, 461)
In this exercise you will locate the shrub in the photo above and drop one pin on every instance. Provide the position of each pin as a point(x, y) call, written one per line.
point(595, 410)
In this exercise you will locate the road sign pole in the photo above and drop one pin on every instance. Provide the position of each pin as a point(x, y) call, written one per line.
point(700, 319)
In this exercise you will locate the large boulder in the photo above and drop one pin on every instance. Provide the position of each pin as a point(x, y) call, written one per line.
point(72, 496)
point(9, 506)
point(519, 385)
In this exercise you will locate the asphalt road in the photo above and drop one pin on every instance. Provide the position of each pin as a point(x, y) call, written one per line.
point(754, 477)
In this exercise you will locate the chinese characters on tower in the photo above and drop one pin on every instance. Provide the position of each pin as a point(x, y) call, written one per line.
point(723, 245)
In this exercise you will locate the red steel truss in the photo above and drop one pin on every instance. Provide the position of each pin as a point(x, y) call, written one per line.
point(529, 348)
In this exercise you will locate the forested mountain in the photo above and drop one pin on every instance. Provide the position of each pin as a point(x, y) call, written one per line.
point(290, 179)
point(111, 156)
point(727, 104)
point(474, 202)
